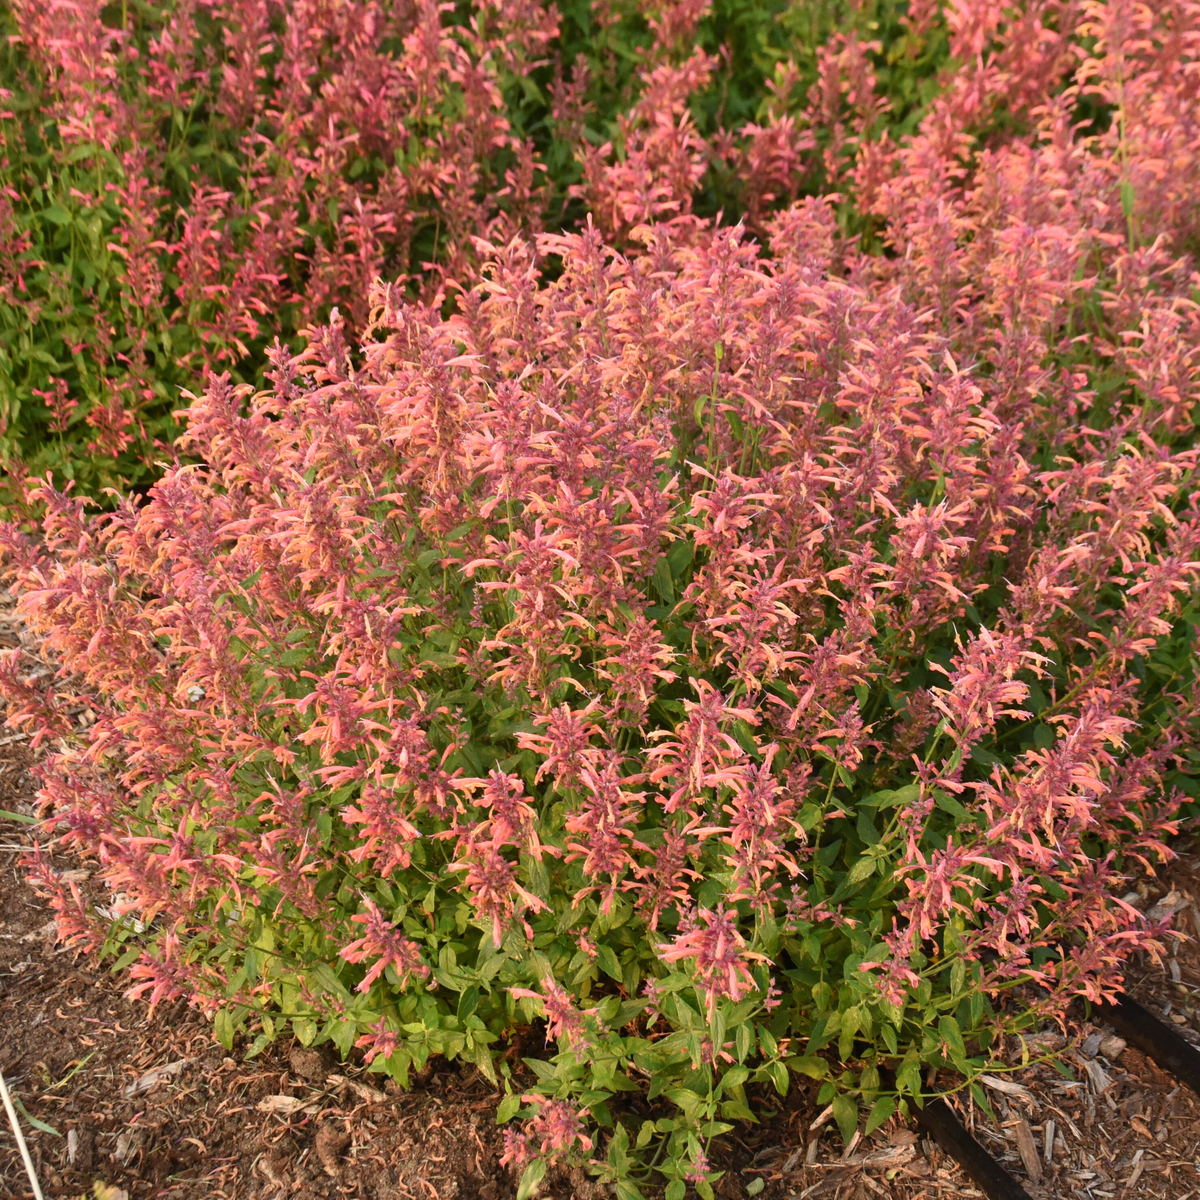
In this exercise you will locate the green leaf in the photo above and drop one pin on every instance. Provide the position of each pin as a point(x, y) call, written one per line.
point(15, 816)
point(533, 1175)
point(733, 1078)
point(259, 1044)
point(56, 215)
point(810, 1065)
point(343, 1035)
point(676, 1190)
point(736, 1110)
point(881, 1110)
point(716, 1029)
point(980, 1097)
point(508, 1108)
point(329, 981)
point(862, 870)
point(958, 976)
point(952, 1035)
point(609, 962)
point(1127, 196)
point(744, 1040)
point(947, 803)
point(663, 583)
point(866, 828)
point(130, 956)
point(985, 758)
point(755, 1186)
point(467, 1002)
point(680, 557)
point(845, 1113)
point(438, 658)
point(908, 1077)
point(618, 1151)
point(482, 1058)
point(223, 1028)
point(40, 1125)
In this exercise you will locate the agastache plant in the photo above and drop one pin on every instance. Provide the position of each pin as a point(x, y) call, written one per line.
point(743, 656)
point(182, 182)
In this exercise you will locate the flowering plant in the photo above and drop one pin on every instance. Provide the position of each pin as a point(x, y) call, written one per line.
point(183, 181)
point(736, 657)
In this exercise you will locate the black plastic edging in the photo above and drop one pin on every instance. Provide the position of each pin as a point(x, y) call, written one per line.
point(1157, 1040)
point(1138, 1026)
point(939, 1120)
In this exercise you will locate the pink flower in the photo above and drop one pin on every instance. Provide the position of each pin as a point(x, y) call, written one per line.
point(386, 946)
point(563, 1019)
point(378, 1040)
point(557, 1126)
point(718, 957)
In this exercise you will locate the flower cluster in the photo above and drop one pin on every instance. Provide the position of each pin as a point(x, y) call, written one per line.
point(730, 629)
point(183, 181)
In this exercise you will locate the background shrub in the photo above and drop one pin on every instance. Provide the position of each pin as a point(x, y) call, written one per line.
point(181, 183)
point(736, 654)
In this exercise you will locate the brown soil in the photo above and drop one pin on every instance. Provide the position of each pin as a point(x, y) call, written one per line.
point(155, 1108)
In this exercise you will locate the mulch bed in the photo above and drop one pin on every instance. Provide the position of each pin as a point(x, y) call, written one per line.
point(156, 1108)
